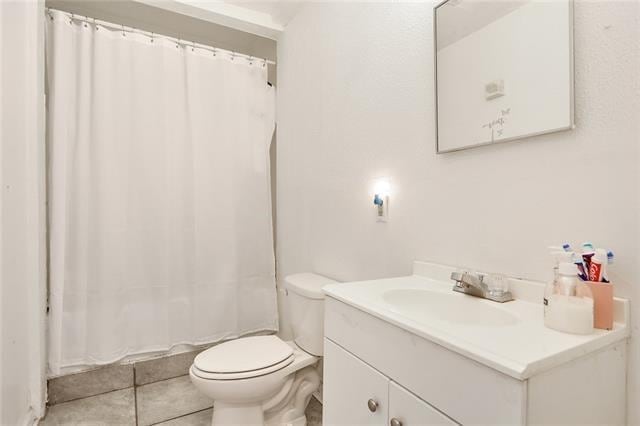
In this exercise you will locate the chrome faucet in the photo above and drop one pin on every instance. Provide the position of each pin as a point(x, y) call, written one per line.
point(474, 285)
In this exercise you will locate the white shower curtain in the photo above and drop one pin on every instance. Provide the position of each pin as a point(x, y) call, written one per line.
point(159, 194)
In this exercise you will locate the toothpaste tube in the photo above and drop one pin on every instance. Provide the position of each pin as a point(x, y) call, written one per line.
point(582, 271)
point(587, 254)
point(598, 265)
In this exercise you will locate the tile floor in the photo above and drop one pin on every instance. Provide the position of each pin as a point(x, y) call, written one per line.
point(171, 402)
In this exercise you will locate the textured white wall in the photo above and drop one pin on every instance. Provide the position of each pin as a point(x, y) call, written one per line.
point(22, 208)
point(356, 102)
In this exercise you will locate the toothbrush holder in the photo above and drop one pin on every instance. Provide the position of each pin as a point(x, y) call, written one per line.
point(602, 304)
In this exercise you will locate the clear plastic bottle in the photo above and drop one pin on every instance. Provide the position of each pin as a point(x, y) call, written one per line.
point(560, 256)
point(568, 302)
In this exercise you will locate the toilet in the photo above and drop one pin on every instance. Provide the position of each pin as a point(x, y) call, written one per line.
point(263, 380)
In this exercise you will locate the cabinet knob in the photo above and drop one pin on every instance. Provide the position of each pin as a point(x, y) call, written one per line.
point(373, 406)
point(395, 422)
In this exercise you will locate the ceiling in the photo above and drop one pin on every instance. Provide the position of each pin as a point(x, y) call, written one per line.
point(457, 19)
point(280, 11)
point(266, 18)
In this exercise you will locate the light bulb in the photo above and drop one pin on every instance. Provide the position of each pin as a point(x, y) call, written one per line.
point(382, 187)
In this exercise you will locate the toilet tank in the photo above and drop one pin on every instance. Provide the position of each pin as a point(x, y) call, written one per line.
point(305, 302)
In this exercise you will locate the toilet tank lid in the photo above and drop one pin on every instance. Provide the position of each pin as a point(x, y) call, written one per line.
point(307, 284)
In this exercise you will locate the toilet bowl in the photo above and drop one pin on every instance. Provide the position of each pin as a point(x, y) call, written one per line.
point(263, 380)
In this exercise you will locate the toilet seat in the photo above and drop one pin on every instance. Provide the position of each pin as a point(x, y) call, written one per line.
point(242, 375)
point(243, 358)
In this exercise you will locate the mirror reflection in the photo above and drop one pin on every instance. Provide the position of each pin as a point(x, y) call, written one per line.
point(504, 70)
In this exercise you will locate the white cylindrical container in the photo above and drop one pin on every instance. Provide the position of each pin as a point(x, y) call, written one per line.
point(568, 302)
point(570, 314)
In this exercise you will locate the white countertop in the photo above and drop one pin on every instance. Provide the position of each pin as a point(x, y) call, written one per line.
point(520, 349)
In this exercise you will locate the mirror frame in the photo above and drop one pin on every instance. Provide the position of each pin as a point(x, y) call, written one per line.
point(572, 124)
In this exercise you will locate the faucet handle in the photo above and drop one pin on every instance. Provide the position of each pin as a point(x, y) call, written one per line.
point(466, 278)
point(457, 276)
point(472, 283)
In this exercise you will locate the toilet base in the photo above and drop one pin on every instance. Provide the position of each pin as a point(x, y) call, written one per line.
point(237, 414)
point(286, 408)
point(300, 421)
point(250, 416)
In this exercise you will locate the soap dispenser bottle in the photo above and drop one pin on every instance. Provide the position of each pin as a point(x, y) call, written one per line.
point(568, 302)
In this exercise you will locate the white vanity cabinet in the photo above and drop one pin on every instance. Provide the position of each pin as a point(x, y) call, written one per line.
point(413, 380)
point(357, 394)
point(409, 410)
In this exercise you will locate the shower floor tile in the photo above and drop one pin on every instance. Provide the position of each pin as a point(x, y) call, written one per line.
point(114, 408)
point(90, 383)
point(201, 418)
point(314, 413)
point(164, 368)
point(173, 402)
point(168, 399)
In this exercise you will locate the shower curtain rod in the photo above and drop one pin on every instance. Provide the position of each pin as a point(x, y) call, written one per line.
point(152, 35)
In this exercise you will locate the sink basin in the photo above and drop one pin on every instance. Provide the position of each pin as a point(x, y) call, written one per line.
point(426, 306)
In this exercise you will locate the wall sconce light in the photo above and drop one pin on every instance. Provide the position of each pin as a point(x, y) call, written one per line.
point(381, 199)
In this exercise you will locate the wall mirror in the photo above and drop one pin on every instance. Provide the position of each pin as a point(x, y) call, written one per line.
point(504, 70)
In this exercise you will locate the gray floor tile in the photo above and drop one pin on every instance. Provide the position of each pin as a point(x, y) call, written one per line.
point(314, 413)
point(89, 383)
point(169, 399)
point(113, 408)
point(201, 418)
point(155, 370)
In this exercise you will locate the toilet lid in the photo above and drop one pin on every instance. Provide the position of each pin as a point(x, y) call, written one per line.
point(244, 355)
point(243, 375)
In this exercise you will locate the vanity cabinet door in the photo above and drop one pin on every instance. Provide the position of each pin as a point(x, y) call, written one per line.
point(406, 409)
point(353, 392)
